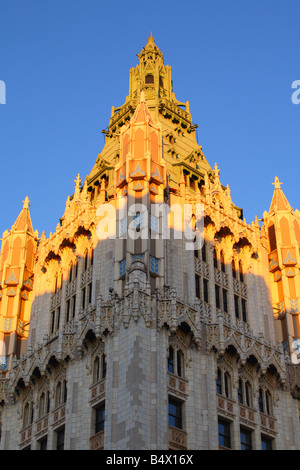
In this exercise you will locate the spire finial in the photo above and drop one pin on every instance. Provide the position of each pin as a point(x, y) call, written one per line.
point(26, 203)
point(217, 172)
point(277, 183)
point(151, 38)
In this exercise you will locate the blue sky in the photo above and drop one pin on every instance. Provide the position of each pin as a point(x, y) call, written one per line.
point(65, 63)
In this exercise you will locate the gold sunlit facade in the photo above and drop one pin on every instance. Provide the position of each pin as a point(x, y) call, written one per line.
point(138, 342)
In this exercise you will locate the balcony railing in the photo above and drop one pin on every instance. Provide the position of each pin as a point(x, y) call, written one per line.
point(247, 414)
point(221, 278)
point(42, 424)
point(267, 423)
point(201, 267)
point(71, 288)
point(55, 299)
point(177, 383)
point(177, 438)
point(225, 405)
point(239, 287)
point(97, 391)
point(87, 276)
point(97, 441)
point(59, 414)
point(26, 435)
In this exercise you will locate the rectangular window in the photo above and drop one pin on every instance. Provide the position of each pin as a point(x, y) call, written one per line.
point(246, 440)
point(60, 439)
point(100, 418)
point(171, 360)
point(175, 413)
point(103, 367)
point(217, 289)
point(197, 286)
point(266, 443)
point(205, 290)
point(67, 311)
point(43, 443)
point(52, 321)
point(204, 251)
point(90, 292)
point(73, 306)
point(244, 310)
point(225, 302)
point(83, 298)
point(224, 433)
point(236, 306)
point(58, 318)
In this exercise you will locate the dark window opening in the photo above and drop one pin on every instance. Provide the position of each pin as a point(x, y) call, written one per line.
point(171, 361)
point(246, 440)
point(149, 79)
point(100, 418)
point(224, 433)
point(60, 439)
point(175, 413)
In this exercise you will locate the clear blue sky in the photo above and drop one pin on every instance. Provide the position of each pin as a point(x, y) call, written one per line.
point(66, 62)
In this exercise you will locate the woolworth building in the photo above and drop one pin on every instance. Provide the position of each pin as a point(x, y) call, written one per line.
point(136, 342)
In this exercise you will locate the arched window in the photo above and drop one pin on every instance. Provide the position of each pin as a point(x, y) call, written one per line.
point(227, 383)
point(222, 262)
point(26, 415)
point(241, 272)
point(240, 392)
point(103, 366)
point(65, 392)
point(149, 79)
point(70, 272)
point(223, 383)
point(85, 259)
point(179, 363)
point(245, 392)
point(268, 403)
point(176, 361)
point(219, 382)
point(56, 283)
point(92, 256)
point(203, 251)
point(233, 269)
point(42, 405)
point(260, 401)
point(171, 360)
point(96, 369)
point(248, 390)
point(48, 402)
point(99, 368)
point(215, 258)
point(58, 394)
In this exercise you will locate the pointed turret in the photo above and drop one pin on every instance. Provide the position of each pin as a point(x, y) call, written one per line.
point(23, 222)
point(282, 226)
point(16, 276)
point(279, 200)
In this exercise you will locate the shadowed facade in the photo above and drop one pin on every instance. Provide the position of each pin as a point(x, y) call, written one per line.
point(136, 342)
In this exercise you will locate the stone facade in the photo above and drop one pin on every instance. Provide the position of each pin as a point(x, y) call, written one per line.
point(139, 342)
